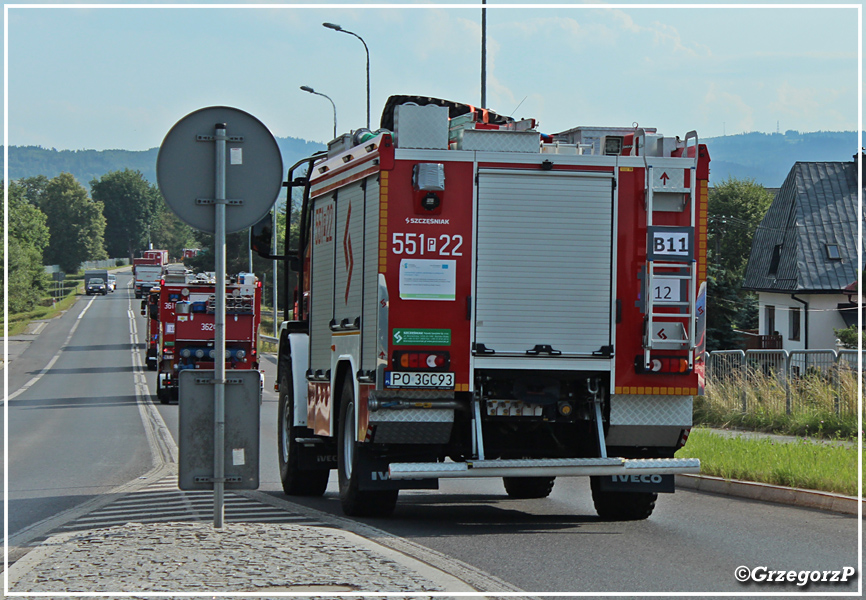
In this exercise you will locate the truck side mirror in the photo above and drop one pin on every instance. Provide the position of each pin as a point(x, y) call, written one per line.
point(144, 308)
point(261, 236)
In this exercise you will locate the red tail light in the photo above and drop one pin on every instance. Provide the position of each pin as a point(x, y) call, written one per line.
point(427, 361)
point(666, 365)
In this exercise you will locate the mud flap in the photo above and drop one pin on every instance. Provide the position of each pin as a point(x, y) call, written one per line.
point(374, 475)
point(663, 484)
point(315, 457)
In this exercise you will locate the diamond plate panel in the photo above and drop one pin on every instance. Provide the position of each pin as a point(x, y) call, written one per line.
point(421, 126)
point(547, 462)
point(391, 432)
point(650, 410)
point(410, 394)
point(412, 415)
point(491, 140)
point(427, 467)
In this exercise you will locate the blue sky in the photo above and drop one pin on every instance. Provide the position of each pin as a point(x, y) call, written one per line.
point(120, 77)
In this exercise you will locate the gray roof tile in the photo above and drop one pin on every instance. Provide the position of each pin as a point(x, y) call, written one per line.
point(816, 206)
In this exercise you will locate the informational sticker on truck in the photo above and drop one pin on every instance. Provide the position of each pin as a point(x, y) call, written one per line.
point(428, 279)
point(400, 379)
point(422, 337)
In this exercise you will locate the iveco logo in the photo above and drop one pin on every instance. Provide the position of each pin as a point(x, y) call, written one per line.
point(326, 458)
point(638, 478)
point(381, 476)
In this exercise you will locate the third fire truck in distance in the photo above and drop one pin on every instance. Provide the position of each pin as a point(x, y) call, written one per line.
point(480, 299)
point(183, 311)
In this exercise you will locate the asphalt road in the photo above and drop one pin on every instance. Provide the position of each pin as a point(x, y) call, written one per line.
point(75, 433)
point(78, 432)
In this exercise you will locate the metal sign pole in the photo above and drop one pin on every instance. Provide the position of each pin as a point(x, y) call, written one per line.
point(229, 196)
point(275, 251)
point(220, 328)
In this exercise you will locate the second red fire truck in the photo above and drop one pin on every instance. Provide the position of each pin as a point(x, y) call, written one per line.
point(182, 314)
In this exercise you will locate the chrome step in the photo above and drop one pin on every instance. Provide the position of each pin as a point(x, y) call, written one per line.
point(549, 467)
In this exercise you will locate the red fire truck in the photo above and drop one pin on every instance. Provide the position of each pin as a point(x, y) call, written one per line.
point(186, 306)
point(150, 310)
point(484, 300)
point(146, 272)
point(161, 256)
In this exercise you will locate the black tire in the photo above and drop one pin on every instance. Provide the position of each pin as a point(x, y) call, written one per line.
point(356, 502)
point(622, 506)
point(524, 488)
point(161, 392)
point(296, 482)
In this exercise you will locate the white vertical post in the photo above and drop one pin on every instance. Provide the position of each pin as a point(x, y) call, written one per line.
point(219, 328)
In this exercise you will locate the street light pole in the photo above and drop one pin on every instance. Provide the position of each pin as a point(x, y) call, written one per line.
point(307, 88)
point(336, 27)
point(483, 53)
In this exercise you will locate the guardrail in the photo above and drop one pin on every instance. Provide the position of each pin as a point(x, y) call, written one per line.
point(799, 380)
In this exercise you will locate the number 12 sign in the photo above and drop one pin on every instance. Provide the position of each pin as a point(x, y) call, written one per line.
point(670, 243)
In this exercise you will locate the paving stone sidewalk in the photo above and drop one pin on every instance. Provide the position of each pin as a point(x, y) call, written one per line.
point(240, 557)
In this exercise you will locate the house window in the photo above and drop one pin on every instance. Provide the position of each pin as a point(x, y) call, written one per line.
point(833, 252)
point(794, 323)
point(770, 320)
point(774, 262)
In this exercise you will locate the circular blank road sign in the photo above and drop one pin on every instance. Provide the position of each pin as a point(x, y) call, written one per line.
point(186, 169)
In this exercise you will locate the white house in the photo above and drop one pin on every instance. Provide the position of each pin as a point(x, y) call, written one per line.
point(803, 262)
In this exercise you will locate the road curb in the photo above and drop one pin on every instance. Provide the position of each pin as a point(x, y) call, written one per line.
point(765, 492)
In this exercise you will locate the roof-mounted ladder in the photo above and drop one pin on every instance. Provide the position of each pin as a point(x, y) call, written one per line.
point(671, 183)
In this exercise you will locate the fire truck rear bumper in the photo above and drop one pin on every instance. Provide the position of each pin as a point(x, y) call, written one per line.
point(546, 468)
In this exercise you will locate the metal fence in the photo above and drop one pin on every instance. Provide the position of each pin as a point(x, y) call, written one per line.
point(777, 381)
point(108, 263)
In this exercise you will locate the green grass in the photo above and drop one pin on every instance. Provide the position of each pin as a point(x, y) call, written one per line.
point(804, 464)
point(18, 322)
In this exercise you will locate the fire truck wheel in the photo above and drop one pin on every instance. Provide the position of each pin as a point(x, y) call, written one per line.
point(356, 502)
point(161, 392)
point(528, 487)
point(622, 506)
point(296, 482)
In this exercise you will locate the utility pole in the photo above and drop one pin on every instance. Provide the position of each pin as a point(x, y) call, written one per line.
point(483, 54)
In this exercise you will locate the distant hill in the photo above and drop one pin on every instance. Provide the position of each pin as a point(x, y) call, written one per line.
point(764, 157)
point(86, 165)
point(768, 157)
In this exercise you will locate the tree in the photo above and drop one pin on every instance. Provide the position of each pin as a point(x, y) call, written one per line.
point(76, 224)
point(34, 189)
point(849, 337)
point(735, 210)
point(28, 236)
point(170, 233)
point(131, 207)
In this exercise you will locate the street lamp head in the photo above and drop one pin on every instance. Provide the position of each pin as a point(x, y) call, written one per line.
point(333, 26)
point(307, 88)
